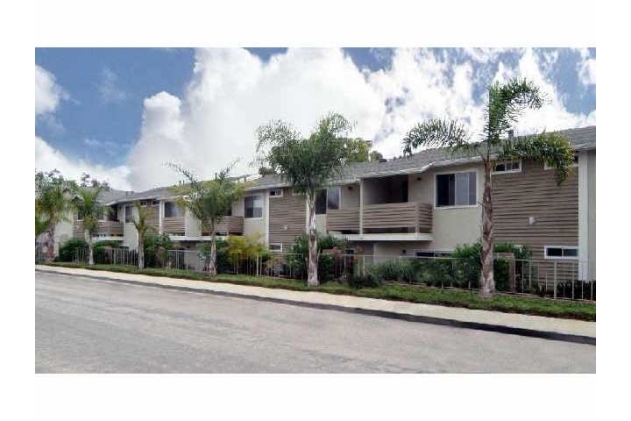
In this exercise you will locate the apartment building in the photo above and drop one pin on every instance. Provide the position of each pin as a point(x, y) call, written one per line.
point(423, 205)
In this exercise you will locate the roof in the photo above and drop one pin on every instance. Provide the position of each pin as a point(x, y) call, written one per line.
point(580, 138)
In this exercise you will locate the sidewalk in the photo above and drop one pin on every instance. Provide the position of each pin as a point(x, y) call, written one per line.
point(535, 326)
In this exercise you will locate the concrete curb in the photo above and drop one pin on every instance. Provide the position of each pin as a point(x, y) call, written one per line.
point(499, 328)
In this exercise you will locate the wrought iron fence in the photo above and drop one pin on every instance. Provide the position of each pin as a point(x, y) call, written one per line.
point(108, 256)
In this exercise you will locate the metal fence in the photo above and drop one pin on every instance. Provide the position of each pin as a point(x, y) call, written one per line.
point(557, 279)
point(40, 256)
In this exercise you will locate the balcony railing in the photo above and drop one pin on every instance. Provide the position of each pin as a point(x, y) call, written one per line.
point(228, 225)
point(387, 217)
point(406, 217)
point(105, 229)
point(173, 225)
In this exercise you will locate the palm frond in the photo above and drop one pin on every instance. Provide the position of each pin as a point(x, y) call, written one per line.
point(437, 133)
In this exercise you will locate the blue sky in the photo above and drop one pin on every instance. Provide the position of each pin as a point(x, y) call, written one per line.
point(201, 107)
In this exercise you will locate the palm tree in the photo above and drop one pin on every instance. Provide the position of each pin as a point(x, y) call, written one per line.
point(506, 102)
point(142, 227)
point(307, 163)
point(52, 203)
point(86, 204)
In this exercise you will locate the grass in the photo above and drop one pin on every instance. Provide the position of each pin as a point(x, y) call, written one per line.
point(414, 294)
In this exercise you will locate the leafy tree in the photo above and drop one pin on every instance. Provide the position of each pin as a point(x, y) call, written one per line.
point(155, 248)
point(307, 163)
point(209, 201)
point(263, 171)
point(506, 102)
point(142, 228)
point(86, 203)
point(52, 203)
point(375, 156)
point(357, 150)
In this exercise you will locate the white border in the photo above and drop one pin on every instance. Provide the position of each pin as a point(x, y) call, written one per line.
point(477, 180)
point(503, 161)
point(262, 207)
point(275, 244)
point(269, 193)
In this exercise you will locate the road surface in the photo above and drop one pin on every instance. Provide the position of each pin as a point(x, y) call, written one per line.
point(84, 325)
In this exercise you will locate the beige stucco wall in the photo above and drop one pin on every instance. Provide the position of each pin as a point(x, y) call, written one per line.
point(63, 232)
point(451, 226)
point(591, 165)
point(350, 196)
point(130, 236)
point(192, 226)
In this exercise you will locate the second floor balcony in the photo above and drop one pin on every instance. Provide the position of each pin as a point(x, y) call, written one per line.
point(403, 217)
point(105, 229)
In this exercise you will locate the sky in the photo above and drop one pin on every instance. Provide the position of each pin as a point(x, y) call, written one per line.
point(121, 114)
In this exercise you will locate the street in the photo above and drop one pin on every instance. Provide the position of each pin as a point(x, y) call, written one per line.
point(85, 325)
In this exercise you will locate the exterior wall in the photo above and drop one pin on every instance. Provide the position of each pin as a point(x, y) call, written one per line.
point(533, 192)
point(350, 196)
point(63, 232)
point(192, 226)
point(451, 226)
point(254, 227)
point(320, 223)
point(591, 166)
point(287, 218)
point(130, 236)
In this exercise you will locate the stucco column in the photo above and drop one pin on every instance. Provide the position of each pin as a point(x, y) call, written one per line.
point(361, 207)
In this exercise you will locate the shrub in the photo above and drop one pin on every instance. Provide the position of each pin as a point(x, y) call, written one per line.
point(156, 250)
point(299, 253)
point(68, 250)
point(399, 270)
point(100, 247)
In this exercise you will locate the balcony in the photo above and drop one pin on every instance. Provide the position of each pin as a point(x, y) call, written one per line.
point(173, 226)
point(105, 229)
point(404, 217)
point(229, 225)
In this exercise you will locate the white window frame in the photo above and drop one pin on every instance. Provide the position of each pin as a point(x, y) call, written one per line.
point(545, 253)
point(260, 196)
point(339, 188)
point(276, 195)
point(280, 250)
point(574, 165)
point(477, 195)
point(506, 161)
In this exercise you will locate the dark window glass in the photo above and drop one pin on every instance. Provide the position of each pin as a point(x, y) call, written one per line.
point(472, 188)
point(128, 213)
point(253, 207)
point(555, 252)
point(320, 204)
point(171, 210)
point(445, 190)
point(570, 252)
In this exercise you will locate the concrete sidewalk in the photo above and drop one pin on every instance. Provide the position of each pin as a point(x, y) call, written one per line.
point(536, 326)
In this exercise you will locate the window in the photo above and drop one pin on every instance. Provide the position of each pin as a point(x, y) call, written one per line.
point(550, 167)
point(275, 247)
point(253, 206)
point(276, 193)
point(430, 253)
point(79, 215)
point(172, 210)
point(328, 199)
point(457, 189)
point(128, 213)
point(507, 166)
point(561, 252)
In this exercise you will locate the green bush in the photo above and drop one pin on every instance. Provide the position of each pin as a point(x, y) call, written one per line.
point(68, 249)
point(156, 250)
point(298, 255)
point(434, 272)
point(99, 250)
point(398, 270)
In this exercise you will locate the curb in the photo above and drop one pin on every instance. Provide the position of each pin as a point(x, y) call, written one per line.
point(565, 337)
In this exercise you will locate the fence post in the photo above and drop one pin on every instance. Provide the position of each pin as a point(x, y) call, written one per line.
point(575, 272)
point(555, 280)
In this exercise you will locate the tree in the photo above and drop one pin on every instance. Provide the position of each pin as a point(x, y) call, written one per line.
point(87, 205)
point(357, 150)
point(307, 163)
point(142, 228)
point(375, 156)
point(263, 171)
point(209, 201)
point(52, 202)
point(506, 102)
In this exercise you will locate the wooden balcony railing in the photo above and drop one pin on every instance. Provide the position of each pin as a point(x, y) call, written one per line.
point(105, 229)
point(228, 225)
point(343, 220)
point(174, 226)
point(405, 216)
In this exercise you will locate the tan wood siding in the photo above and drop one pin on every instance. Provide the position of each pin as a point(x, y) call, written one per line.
point(228, 225)
point(533, 192)
point(105, 229)
point(413, 216)
point(287, 218)
point(343, 220)
point(173, 225)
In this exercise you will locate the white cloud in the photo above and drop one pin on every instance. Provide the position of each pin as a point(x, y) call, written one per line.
point(48, 93)
point(587, 68)
point(48, 158)
point(108, 87)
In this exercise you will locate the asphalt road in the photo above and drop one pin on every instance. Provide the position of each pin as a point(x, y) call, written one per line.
point(84, 325)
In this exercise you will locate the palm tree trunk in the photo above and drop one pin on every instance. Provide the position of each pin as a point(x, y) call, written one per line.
point(487, 276)
point(141, 252)
point(49, 242)
point(88, 239)
point(312, 277)
point(212, 265)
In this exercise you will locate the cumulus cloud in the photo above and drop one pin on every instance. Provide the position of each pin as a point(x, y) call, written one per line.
point(48, 158)
point(587, 68)
point(48, 93)
point(108, 87)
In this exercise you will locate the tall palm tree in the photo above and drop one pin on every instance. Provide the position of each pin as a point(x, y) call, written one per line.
point(142, 228)
point(506, 102)
point(52, 203)
point(86, 204)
